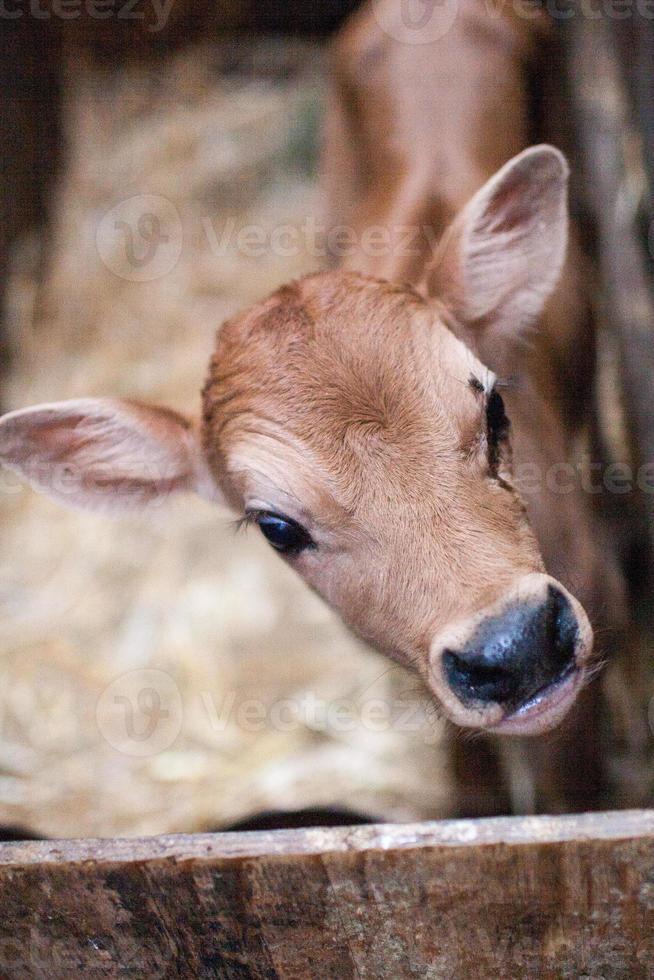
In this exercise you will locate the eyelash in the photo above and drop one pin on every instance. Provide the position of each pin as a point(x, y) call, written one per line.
point(497, 428)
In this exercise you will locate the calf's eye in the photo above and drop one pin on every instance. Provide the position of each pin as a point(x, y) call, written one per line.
point(284, 534)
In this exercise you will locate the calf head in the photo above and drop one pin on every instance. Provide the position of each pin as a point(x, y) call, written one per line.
point(346, 417)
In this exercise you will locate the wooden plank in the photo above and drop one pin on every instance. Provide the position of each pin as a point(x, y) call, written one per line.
point(29, 137)
point(546, 897)
point(635, 47)
point(612, 151)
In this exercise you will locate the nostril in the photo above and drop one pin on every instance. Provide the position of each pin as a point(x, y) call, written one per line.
point(476, 680)
point(562, 630)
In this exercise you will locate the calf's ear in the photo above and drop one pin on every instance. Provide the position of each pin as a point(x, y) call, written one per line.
point(104, 454)
point(502, 256)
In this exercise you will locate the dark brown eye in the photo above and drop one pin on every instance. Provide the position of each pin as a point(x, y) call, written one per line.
point(497, 428)
point(284, 534)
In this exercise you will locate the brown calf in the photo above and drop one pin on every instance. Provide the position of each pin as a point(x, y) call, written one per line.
point(358, 418)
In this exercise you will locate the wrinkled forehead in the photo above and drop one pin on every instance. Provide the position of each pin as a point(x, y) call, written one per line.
point(339, 376)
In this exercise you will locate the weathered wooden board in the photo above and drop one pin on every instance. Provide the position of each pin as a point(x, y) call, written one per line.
point(545, 897)
point(615, 154)
point(29, 139)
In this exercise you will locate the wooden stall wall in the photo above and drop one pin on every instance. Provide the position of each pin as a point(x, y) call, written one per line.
point(539, 897)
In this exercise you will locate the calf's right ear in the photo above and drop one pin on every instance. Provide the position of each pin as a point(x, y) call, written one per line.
point(105, 454)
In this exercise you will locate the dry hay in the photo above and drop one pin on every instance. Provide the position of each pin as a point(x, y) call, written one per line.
point(86, 600)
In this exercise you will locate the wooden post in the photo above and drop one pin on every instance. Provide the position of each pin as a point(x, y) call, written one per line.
point(614, 158)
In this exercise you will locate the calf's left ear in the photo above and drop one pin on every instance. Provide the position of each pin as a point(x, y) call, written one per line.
point(502, 256)
point(104, 454)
